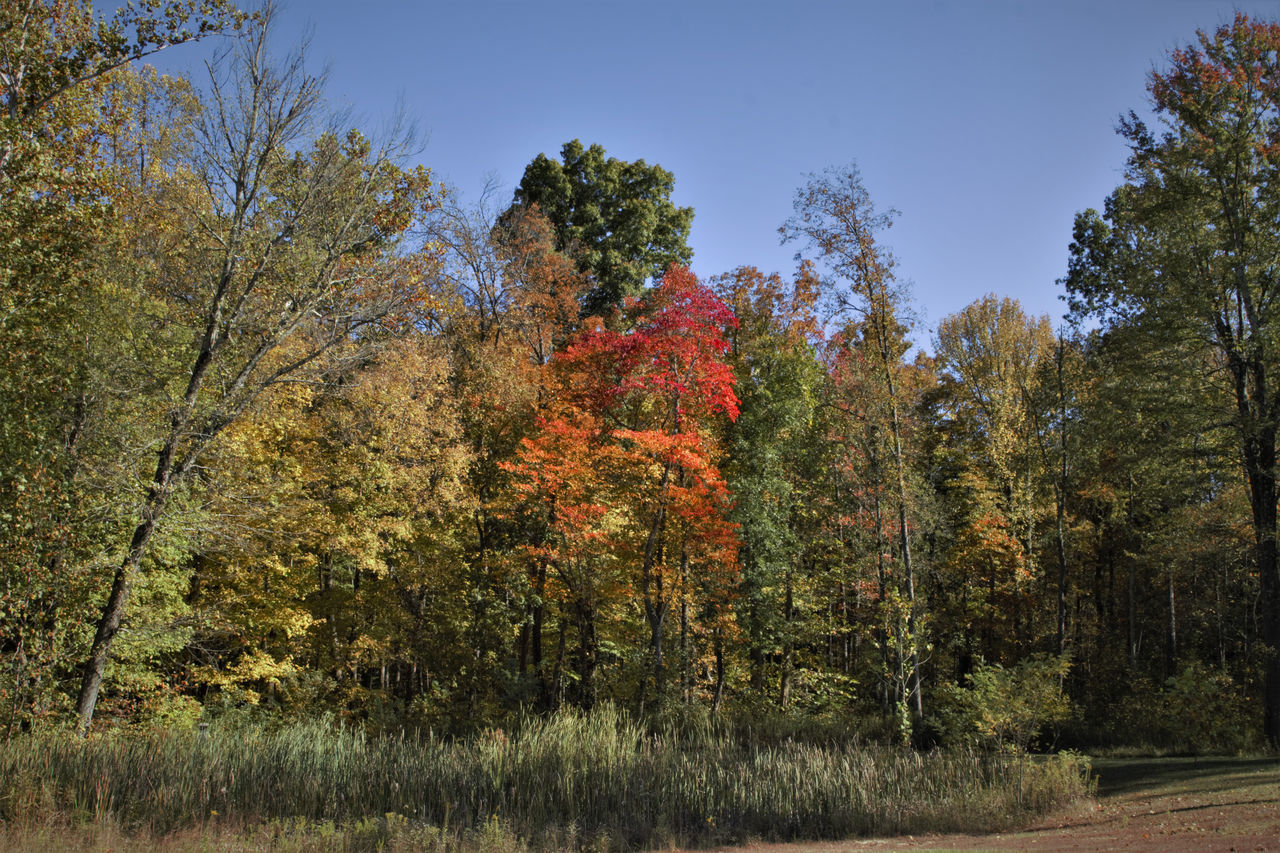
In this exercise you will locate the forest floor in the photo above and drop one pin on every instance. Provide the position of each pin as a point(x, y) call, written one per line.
point(1166, 804)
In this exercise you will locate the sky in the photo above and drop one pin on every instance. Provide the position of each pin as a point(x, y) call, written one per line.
point(987, 124)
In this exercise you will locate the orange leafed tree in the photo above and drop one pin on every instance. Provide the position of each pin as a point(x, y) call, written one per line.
point(622, 476)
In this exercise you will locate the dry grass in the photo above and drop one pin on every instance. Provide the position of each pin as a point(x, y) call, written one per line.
point(596, 781)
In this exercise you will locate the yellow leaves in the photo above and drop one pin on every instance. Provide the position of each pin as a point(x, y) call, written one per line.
point(253, 668)
point(330, 489)
point(367, 650)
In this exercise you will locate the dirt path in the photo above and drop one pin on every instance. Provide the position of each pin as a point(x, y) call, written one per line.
point(1166, 804)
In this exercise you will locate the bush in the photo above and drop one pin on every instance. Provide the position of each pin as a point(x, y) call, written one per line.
point(1200, 710)
point(1005, 708)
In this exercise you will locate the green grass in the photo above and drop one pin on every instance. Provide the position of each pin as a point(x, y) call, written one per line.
point(573, 780)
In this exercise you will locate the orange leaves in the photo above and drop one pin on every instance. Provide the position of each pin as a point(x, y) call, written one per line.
point(542, 284)
point(622, 469)
point(565, 472)
point(986, 550)
point(761, 302)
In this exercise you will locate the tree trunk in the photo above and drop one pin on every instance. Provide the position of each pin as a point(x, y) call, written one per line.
point(657, 614)
point(157, 499)
point(882, 636)
point(535, 638)
point(788, 610)
point(686, 670)
point(109, 623)
point(1171, 661)
point(654, 594)
point(1131, 560)
point(587, 653)
point(1260, 462)
point(1061, 545)
point(717, 697)
point(916, 698)
point(122, 581)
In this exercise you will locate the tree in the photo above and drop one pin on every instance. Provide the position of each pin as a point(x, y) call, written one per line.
point(867, 496)
point(989, 351)
point(511, 302)
point(1160, 574)
point(1188, 249)
point(48, 49)
point(777, 380)
point(836, 218)
point(295, 255)
point(613, 217)
point(676, 382)
point(73, 118)
point(622, 477)
point(1056, 414)
point(1007, 708)
point(989, 354)
point(336, 518)
point(55, 58)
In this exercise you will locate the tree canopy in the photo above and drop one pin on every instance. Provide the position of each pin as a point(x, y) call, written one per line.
point(615, 218)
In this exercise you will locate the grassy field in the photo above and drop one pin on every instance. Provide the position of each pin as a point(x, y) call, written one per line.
point(572, 781)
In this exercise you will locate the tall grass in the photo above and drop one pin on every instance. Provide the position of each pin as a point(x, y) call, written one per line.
point(573, 777)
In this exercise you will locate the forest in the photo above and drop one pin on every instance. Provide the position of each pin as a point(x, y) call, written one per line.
point(290, 434)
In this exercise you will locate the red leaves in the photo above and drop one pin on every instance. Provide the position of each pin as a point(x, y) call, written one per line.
point(675, 352)
point(623, 466)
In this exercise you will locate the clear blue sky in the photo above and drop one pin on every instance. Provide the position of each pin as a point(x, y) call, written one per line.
point(986, 123)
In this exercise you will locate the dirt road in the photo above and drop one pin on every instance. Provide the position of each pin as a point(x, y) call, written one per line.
point(1165, 804)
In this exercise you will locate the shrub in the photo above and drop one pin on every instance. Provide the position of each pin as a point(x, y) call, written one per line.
point(1005, 708)
point(1202, 709)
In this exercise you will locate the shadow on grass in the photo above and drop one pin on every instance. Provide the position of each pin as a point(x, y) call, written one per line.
point(1120, 776)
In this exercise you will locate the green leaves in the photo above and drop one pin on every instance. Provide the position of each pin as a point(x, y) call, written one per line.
point(614, 217)
point(1007, 707)
point(1186, 261)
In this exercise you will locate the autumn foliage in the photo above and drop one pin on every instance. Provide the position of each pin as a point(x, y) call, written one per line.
point(290, 430)
point(622, 468)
